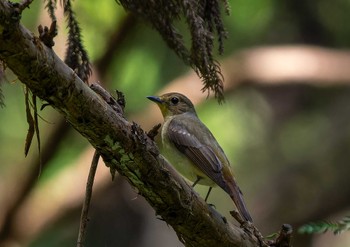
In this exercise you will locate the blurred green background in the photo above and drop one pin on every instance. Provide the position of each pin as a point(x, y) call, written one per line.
point(288, 142)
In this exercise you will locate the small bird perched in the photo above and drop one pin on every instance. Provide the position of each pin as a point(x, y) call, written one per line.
point(193, 150)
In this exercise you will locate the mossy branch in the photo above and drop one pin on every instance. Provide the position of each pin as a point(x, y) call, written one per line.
point(122, 144)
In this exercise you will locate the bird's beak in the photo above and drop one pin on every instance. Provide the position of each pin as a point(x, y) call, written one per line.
point(161, 104)
point(155, 99)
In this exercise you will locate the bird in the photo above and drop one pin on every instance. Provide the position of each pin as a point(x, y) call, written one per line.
point(193, 150)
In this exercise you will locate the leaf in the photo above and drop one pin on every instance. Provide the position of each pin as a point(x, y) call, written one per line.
point(271, 236)
point(36, 128)
point(30, 121)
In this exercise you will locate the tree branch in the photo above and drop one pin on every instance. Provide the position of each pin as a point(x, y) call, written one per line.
point(121, 144)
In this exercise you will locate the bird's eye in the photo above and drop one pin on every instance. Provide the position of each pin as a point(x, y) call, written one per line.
point(174, 100)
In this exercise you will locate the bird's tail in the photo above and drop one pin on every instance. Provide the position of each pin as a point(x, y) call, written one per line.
point(237, 197)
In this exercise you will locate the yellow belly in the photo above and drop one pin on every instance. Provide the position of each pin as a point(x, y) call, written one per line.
point(184, 166)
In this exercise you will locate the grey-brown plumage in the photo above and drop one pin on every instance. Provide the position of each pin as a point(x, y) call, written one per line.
point(193, 150)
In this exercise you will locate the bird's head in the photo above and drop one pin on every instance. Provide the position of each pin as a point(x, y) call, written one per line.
point(171, 104)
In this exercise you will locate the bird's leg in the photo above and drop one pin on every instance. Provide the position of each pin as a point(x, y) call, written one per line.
point(197, 180)
point(206, 197)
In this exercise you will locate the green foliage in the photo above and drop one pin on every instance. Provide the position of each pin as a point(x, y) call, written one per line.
point(248, 25)
point(334, 19)
point(324, 226)
point(98, 28)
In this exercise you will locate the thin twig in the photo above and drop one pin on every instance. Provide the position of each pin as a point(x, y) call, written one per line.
point(85, 210)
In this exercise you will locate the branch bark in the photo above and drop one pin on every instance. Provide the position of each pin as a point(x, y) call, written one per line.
point(122, 144)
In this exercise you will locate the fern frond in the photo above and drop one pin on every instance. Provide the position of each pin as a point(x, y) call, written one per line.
point(325, 226)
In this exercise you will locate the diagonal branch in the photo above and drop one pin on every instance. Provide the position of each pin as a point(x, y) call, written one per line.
point(122, 144)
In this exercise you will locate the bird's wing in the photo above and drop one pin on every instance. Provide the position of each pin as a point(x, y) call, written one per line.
point(206, 160)
point(200, 154)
